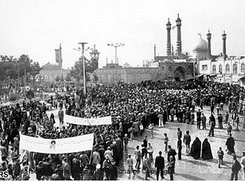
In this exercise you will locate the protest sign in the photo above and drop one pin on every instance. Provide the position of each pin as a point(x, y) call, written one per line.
point(88, 121)
point(57, 146)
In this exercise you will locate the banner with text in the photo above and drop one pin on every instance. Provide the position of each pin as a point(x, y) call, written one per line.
point(87, 121)
point(57, 146)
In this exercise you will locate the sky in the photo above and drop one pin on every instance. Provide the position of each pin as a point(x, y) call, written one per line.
point(37, 27)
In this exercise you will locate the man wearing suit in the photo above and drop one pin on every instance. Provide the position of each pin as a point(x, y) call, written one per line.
point(171, 152)
point(159, 164)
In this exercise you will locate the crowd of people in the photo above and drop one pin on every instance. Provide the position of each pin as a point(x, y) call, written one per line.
point(133, 108)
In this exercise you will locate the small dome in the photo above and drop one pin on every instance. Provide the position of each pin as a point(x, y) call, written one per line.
point(202, 46)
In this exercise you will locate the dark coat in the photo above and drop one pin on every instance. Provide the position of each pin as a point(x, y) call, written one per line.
point(113, 172)
point(171, 152)
point(159, 162)
point(236, 166)
point(230, 143)
point(206, 150)
point(196, 149)
point(98, 175)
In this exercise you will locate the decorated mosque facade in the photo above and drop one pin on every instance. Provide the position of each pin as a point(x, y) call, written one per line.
point(222, 68)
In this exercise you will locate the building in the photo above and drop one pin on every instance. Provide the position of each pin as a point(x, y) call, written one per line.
point(168, 70)
point(49, 71)
point(172, 67)
point(223, 68)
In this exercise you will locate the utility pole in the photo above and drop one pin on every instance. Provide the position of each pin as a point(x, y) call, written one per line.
point(25, 83)
point(115, 46)
point(84, 69)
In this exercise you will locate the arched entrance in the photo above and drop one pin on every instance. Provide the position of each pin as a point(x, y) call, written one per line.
point(179, 74)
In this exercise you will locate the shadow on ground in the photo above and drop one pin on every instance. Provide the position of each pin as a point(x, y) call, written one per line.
point(189, 177)
point(196, 162)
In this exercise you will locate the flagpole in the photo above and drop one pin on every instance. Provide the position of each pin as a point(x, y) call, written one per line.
point(91, 155)
point(25, 83)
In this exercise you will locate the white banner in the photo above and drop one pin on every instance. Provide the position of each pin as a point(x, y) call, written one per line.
point(57, 146)
point(87, 121)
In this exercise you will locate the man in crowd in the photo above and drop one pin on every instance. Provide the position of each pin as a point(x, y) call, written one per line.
point(125, 141)
point(230, 143)
point(171, 152)
point(138, 155)
point(199, 118)
point(187, 141)
point(212, 125)
point(179, 147)
point(159, 164)
point(203, 120)
point(220, 157)
point(243, 165)
point(235, 168)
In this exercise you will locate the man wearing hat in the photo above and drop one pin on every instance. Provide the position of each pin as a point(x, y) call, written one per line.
point(243, 165)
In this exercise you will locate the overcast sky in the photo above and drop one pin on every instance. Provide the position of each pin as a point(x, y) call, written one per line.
point(36, 27)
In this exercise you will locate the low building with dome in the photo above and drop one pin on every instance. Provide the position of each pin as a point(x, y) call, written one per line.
point(221, 68)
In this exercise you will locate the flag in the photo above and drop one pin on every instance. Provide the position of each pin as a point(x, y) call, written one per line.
point(57, 55)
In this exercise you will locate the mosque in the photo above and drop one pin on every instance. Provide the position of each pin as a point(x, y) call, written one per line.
point(177, 66)
point(172, 67)
point(221, 68)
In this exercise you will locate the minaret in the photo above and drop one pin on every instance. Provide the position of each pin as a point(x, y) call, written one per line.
point(209, 44)
point(224, 45)
point(154, 52)
point(168, 25)
point(179, 44)
point(95, 57)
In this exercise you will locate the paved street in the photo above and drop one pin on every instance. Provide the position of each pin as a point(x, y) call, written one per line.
point(188, 168)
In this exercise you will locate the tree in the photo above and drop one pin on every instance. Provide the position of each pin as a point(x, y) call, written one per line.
point(61, 78)
point(92, 65)
point(96, 78)
point(57, 78)
point(68, 77)
point(12, 68)
point(77, 71)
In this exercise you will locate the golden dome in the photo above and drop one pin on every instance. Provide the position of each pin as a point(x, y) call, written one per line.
point(201, 46)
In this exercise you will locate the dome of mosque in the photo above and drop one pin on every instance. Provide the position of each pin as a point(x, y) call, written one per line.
point(201, 46)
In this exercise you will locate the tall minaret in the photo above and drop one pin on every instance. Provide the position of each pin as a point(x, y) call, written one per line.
point(179, 44)
point(155, 51)
point(209, 44)
point(224, 45)
point(168, 25)
point(95, 57)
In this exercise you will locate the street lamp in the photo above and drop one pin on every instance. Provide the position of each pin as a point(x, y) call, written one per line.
point(115, 46)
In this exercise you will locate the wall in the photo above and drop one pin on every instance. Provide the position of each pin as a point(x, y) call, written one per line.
point(165, 71)
point(50, 75)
